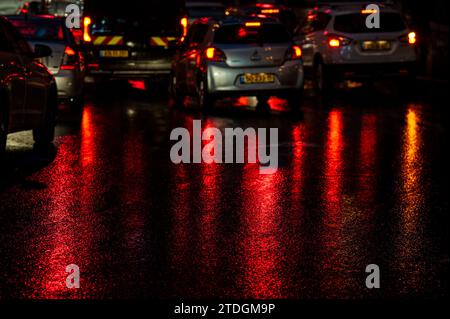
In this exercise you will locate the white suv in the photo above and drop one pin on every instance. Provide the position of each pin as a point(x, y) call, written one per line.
point(337, 44)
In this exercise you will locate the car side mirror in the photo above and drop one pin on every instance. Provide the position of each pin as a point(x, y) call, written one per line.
point(42, 51)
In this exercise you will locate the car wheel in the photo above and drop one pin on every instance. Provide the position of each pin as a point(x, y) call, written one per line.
point(205, 99)
point(45, 134)
point(177, 97)
point(3, 132)
point(322, 81)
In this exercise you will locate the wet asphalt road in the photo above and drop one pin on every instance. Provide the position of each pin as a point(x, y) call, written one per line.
point(362, 180)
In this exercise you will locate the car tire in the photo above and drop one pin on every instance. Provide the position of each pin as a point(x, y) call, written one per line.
point(322, 80)
point(177, 97)
point(205, 99)
point(45, 133)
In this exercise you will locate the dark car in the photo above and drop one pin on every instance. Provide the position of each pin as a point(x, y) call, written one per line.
point(28, 97)
point(136, 39)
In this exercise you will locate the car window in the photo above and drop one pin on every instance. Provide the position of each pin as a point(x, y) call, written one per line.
point(40, 30)
point(242, 34)
point(4, 45)
point(320, 22)
point(196, 34)
point(356, 23)
point(201, 12)
point(18, 43)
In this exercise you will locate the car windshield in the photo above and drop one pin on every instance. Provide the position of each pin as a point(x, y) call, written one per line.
point(42, 30)
point(209, 12)
point(135, 18)
point(356, 23)
point(242, 34)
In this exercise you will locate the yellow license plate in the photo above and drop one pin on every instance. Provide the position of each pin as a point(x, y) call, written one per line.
point(253, 78)
point(376, 45)
point(114, 53)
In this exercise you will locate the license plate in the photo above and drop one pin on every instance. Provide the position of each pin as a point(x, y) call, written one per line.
point(381, 45)
point(114, 54)
point(253, 78)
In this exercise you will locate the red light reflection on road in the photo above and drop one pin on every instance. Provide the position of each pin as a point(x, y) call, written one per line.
point(332, 200)
point(137, 84)
point(261, 251)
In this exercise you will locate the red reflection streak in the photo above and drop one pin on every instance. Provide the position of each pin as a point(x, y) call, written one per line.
point(332, 199)
point(137, 84)
point(91, 162)
point(333, 169)
point(262, 255)
point(209, 193)
point(297, 161)
point(367, 159)
point(60, 248)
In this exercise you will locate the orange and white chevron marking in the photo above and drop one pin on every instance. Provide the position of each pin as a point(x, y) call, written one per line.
point(108, 40)
point(161, 41)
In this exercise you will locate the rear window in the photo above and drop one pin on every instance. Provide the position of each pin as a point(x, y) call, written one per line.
point(206, 12)
point(241, 34)
point(134, 18)
point(356, 23)
point(40, 30)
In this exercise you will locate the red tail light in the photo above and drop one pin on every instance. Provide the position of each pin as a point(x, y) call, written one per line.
point(335, 41)
point(409, 38)
point(86, 34)
point(215, 55)
point(294, 53)
point(184, 25)
point(70, 59)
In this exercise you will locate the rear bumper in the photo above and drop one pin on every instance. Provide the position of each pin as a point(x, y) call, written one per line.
point(130, 68)
point(69, 84)
point(224, 79)
point(378, 70)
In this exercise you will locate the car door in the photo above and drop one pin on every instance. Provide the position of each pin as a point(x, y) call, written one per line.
point(37, 80)
point(12, 74)
point(309, 36)
point(188, 56)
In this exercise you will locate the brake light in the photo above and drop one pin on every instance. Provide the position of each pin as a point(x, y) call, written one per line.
point(184, 25)
point(410, 38)
point(334, 43)
point(253, 24)
point(215, 55)
point(86, 24)
point(293, 53)
point(369, 11)
point(70, 59)
point(270, 11)
point(69, 51)
point(337, 41)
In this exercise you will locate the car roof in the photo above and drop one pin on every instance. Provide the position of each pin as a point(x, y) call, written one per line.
point(35, 18)
point(341, 8)
point(234, 20)
point(204, 4)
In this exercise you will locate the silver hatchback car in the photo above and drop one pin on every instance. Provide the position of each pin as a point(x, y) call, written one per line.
point(235, 57)
point(66, 62)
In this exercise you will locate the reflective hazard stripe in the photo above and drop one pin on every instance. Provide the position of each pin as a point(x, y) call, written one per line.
point(161, 41)
point(104, 40)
